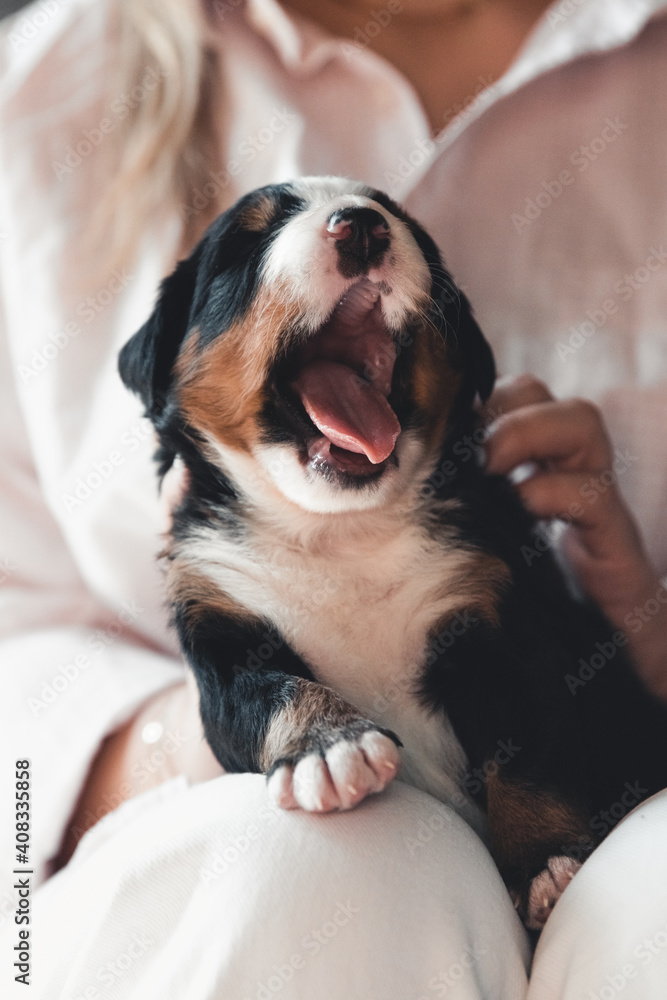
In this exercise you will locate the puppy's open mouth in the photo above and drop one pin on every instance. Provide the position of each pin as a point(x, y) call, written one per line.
point(342, 377)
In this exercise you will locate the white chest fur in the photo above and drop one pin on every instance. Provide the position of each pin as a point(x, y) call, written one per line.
point(357, 603)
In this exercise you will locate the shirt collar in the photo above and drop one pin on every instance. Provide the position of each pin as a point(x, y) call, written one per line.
point(567, 30)
point(302, 46)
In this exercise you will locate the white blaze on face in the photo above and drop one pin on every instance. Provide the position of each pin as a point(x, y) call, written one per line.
point(303, 261)
point(281, 465)
point(356, 317)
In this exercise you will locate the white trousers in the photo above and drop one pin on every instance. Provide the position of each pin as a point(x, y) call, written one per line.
point(210, 893)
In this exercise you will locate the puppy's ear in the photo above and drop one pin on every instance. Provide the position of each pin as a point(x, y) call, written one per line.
point(454, 318)
point(480, 366)
point(146, 361)
point(460, 328)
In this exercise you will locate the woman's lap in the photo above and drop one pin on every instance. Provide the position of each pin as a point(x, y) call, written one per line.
point(214, 893)
point(211, 892)
point(608, 935)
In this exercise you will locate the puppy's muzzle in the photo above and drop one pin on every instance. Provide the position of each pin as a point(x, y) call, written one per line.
point(362, 237)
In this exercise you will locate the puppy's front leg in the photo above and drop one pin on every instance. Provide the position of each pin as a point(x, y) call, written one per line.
point(264, 711)
point(321, 754)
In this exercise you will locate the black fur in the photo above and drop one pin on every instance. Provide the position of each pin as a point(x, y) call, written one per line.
point(237, 699)
point(453, 317)
point(495, 682)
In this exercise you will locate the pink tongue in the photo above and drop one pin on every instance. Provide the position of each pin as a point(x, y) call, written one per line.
point(350, 412)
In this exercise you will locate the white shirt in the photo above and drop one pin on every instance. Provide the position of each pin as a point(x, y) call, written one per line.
point(546, 194)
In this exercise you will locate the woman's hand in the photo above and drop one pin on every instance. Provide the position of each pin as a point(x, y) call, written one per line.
point(575, 479)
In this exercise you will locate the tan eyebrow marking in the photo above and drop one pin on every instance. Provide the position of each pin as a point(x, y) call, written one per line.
point(259, 214)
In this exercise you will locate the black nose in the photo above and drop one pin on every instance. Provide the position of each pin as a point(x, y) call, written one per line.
point(362, 237)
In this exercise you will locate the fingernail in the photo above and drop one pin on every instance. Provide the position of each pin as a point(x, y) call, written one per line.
point(522, 473)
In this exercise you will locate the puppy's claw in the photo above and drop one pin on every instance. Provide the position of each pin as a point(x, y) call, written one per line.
point(280, 788)
point(382, 756)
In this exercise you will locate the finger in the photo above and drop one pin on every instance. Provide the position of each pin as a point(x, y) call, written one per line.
point(602, 542)
point(569, 436)
point(581, 500)
point(511, 392)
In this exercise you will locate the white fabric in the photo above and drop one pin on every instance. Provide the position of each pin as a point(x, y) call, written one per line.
point(541, 263)
point(608, 934)
point(214, 892)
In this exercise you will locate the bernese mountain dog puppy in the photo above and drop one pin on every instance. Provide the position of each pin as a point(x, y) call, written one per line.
point(348, 585)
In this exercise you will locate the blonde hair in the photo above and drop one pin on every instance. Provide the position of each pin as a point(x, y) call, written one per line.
point(167, 140)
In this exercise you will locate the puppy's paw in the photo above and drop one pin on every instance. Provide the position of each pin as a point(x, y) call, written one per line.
point(547, 888)
point(335, 769)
